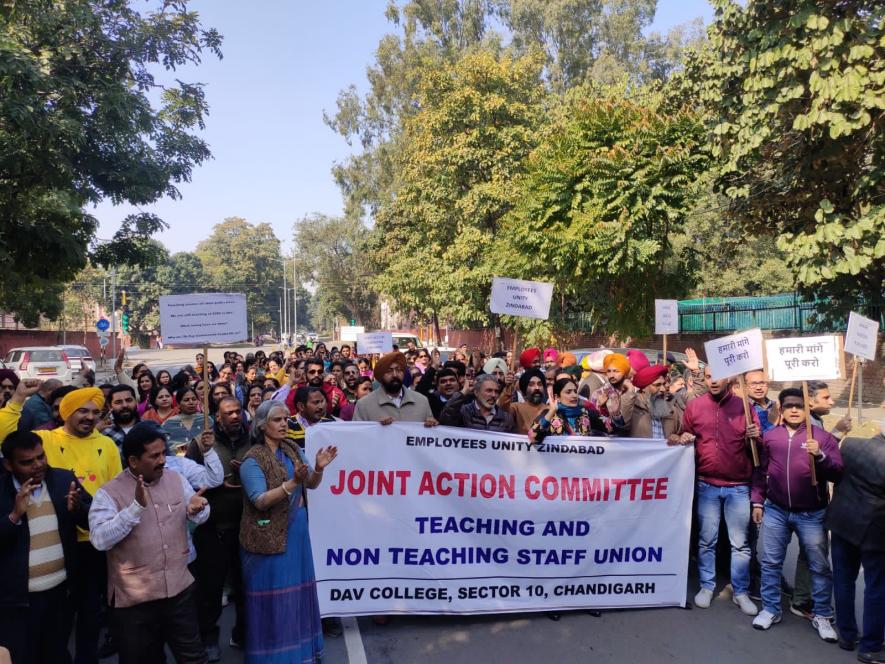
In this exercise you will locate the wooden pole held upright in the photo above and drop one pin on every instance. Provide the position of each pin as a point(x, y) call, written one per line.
point(206, 388)
point(808, 430)
point(664, 359)
point(748, 419)
point(851, 392)
point(514, 360)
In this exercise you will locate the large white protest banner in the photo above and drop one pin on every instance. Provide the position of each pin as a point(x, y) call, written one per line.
point(350, 332)
point(804, 358)
point(374, 342)
point(203, 318)
point(862, 336)
point(515, 297)
point(445, 520)
point(735, 354)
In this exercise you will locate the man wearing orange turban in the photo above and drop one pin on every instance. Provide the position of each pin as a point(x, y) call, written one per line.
point(617, 392)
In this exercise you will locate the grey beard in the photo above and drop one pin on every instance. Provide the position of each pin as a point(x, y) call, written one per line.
point(658, 407)
point(535, 398)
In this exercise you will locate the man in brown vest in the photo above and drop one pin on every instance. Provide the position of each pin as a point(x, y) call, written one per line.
point(140, 518)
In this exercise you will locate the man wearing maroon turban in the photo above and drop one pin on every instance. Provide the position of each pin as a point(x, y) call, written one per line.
point(653, 412)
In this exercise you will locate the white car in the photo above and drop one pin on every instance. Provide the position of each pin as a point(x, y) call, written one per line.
point(41, 362)
point(79, 356)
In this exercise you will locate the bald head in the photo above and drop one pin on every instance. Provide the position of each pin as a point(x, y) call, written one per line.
point(47, 387)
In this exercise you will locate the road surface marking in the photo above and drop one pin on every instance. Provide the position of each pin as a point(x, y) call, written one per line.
point(356, 654)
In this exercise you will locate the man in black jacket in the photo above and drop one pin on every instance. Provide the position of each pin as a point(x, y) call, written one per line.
point(40, 509)
point(479, 410)
point(440, 385)
point(856, 519)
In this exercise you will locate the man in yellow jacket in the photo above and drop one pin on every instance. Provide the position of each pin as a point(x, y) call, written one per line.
point(94, 459)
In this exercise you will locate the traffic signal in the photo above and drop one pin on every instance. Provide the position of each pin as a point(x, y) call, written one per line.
point(125, 320)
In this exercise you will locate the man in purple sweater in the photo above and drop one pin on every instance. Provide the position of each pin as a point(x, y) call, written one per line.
point(724, 469)
point(785, 501)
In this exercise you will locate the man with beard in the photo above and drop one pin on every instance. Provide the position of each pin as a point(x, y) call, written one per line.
point(530, 358)
point(393, 402)
point(218, 540)
point(314, 370)
point(124, 414)
point(724, 471)
point(479, 410)
point(533, 388)
point(37, 410)
point(351, 375)
point(8, 382)
point(140, 518)
point(653, 413)
point(94, 460)
point(618, 392)
point(310, 405)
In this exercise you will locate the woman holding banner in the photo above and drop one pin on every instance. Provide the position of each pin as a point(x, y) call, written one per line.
point(571, 415)
point(282, 608)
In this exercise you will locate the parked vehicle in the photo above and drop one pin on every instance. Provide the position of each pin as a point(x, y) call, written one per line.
point(79, 356)
point(401, 340)
point(40, 362)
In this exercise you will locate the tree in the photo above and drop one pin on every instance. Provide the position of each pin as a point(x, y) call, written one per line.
point(331, 253)
point(240, 257)
point(795, 92)
point(77, 126)
point(466, 144)
point(611, 180)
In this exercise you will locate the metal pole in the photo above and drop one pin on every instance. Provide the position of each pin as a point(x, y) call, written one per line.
point(294, 296)
point(114, 313)
point(285, 305)
point(281, 320)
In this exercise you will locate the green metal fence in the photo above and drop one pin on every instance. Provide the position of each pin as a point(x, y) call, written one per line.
point(769, 312)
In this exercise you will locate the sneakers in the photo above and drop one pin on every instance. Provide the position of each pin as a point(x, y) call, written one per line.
point(765, 620)
point(233, 643)
point(802, 610)
point(747, 607)
point(703, 598)
point(824, 629)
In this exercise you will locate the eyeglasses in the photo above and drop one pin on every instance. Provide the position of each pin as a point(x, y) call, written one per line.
point(313, 372)
point(797, 406)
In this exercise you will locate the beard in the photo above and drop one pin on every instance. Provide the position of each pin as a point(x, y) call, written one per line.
point(123, 416)
point(658, 406)
point(535, 398)
point(393, 386)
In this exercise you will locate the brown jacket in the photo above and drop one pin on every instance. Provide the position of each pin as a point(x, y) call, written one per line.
point(638, 418)
point(265, 531)
point(524, 414)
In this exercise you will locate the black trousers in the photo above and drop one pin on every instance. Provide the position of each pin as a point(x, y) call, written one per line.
point(39, 632)
point(141, 631)
point(218, 558)
point(88, 590)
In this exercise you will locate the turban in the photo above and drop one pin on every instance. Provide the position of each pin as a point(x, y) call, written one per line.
point(637, 358)
point(572, 370)
point(528, 356)
point(551, 354)
point(384, 364)
point(593, 361)
point(528, 375)
point(494, 363)
point(10, 375)
point(647, 375)
point(567, 360)
point(75, 400)
point(618, 361)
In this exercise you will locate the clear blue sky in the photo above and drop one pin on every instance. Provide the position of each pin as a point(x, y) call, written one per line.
point(284, 63)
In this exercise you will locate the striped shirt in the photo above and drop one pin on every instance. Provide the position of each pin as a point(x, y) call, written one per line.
point(46, 558)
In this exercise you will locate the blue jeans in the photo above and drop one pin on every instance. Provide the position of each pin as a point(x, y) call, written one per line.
point(735, 502)
point(778, 526)
point(847, 560)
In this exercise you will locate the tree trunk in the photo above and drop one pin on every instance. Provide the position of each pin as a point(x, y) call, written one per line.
point(436, 332)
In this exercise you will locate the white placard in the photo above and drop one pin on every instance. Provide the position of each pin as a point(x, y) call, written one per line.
point(666, 317)
point(516, 297)
point(446, 521)
point(374, 342)
point(803, 358)
point(350, 332)
point(862, 336)
point(735, 354)
point(203, 318)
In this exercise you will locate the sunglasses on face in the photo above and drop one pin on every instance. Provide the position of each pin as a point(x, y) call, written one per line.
point(794, 405)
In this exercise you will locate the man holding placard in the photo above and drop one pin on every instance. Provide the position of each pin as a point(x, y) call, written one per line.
point(786, 501)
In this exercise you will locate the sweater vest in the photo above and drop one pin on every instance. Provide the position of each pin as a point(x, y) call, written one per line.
point(150, 563)
point(46, 558)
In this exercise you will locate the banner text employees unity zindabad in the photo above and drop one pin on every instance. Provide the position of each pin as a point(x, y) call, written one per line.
point(490, 486)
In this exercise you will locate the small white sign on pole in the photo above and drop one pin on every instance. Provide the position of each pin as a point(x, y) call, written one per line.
point(666, 317)
point(862, 336)
point(516, 297)
point(803, 358)
point(203, 318)
point(735, 354)
point(374, 342)
point(350, 332)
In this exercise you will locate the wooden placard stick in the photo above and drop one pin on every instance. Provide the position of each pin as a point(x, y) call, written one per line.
point(205, 388)
point(808, 436)
point(664, 360)
point(851, 392)
point(513, 358)
point(748, 418)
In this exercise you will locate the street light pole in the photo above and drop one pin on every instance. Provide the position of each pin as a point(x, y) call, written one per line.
point(294, 296)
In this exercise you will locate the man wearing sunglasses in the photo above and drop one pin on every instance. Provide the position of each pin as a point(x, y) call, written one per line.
point(785, 501)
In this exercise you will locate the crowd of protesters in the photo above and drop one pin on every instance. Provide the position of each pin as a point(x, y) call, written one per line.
point(147, 504)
